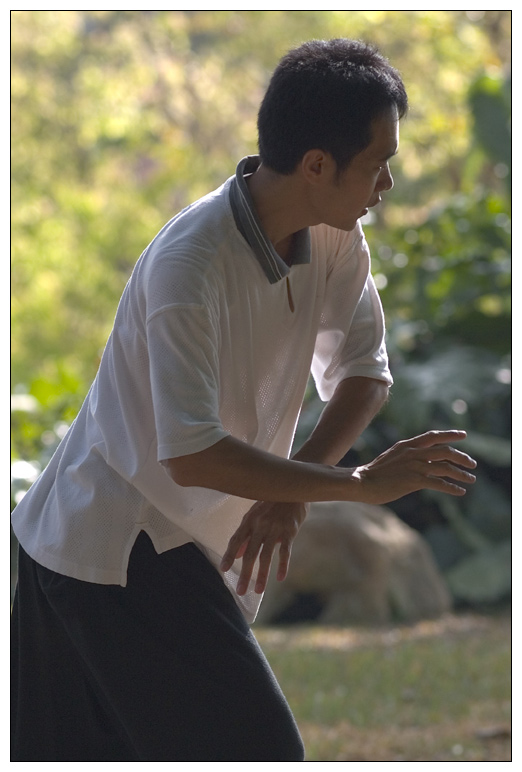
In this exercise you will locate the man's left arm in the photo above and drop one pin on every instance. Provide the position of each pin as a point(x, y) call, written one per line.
point(354, 404)
point(352, 407)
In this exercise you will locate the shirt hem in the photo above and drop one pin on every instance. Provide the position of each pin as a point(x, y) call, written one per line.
point(174, 450)
point(106, 576)
point(326, 392)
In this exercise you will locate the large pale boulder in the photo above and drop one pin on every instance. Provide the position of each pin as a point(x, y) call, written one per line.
point(363, 565)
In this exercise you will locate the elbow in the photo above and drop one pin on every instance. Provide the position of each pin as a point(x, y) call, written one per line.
point(209, 468)
point(181, 471)
point(384, 393)
point(376, 391)
point(381, 397)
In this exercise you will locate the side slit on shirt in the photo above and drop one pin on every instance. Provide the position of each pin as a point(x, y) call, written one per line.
point(290, 298)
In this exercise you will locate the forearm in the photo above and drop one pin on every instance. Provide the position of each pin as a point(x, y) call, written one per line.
point(354, 404)
point(234, 467)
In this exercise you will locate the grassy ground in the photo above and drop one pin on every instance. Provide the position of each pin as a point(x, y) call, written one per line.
point(435, 691)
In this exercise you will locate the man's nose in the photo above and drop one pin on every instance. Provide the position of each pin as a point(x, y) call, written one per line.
point(385, 181)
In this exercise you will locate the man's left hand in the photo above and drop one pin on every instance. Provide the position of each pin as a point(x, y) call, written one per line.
point(263, 527)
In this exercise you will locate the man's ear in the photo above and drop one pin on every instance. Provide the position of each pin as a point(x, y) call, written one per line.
point(316, 165)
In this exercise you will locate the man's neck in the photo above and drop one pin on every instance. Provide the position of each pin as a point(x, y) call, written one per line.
point(278, 202)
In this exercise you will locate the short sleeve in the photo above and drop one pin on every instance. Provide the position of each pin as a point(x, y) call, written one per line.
point(351, 337)
point(183, 345)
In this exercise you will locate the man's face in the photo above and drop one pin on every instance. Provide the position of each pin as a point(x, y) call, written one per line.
point(348, 195)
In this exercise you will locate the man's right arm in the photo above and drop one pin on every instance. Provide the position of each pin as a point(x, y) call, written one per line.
point(233, 467)
point(236, 468)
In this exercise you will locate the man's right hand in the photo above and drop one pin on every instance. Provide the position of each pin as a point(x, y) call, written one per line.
point(426, 461)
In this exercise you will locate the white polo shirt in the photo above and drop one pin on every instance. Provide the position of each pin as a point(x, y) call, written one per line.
point(214, 336)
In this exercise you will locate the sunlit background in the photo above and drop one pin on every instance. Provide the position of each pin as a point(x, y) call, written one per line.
point(121, 118)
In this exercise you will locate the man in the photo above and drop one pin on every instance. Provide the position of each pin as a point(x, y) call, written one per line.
point(129, 642)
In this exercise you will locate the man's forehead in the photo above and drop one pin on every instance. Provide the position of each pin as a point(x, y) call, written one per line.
point(385, 136)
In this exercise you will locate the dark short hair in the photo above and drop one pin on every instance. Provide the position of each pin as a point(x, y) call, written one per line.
point(325, 94)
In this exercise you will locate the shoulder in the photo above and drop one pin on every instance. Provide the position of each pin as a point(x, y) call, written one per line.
point(184, 260)
point(202, 224)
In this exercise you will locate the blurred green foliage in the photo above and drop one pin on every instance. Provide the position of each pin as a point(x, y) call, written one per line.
point(121, 118)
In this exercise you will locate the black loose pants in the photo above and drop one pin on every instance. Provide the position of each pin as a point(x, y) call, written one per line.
point(164, 669)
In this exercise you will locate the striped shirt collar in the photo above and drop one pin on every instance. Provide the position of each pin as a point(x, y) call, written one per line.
point(249, 225)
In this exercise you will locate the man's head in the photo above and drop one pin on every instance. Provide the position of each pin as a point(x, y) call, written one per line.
point(326, 95)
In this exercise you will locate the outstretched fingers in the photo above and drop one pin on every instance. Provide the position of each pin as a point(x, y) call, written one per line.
point(437, 437)
point(236, 548)
point(285, 551)
point(247, 567)
point(426, 461)
point(249, 550)
point(265, 561)
point(446, 477)
point(443, 461)
point(445, 453)
point(443, 466)
point(264, 527)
